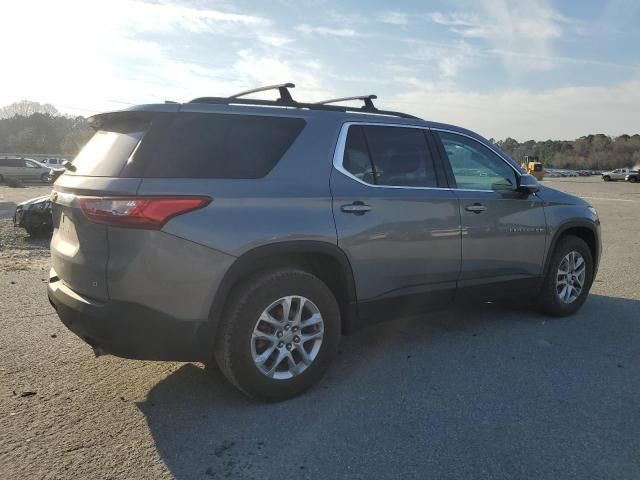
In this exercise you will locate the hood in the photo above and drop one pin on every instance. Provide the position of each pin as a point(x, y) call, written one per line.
point(551, 195)
point(33, 201)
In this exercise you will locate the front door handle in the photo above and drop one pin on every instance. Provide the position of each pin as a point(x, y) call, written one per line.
point(475, 208)
point(357, 208)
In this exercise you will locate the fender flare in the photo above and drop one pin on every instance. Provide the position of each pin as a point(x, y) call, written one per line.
point(251, 261)
point(561, 229)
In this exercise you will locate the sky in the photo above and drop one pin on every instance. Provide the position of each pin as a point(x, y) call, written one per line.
point(533, 69)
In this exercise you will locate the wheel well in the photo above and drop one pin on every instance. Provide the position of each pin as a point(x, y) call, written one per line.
point(585, 234)
point(333, 270)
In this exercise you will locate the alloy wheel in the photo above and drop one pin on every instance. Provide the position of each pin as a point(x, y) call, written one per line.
point(287, 337)
point(570, 277)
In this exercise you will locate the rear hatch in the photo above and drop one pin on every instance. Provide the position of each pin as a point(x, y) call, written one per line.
point(79, 247)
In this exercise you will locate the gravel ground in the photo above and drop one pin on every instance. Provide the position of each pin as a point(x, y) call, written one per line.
point(470, 392)
point(18, 251)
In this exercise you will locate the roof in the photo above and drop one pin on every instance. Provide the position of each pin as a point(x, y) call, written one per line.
point(286, 105)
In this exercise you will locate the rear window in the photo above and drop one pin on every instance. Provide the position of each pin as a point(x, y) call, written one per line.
point(537, 167)
point(203, 145)
point(107, 152)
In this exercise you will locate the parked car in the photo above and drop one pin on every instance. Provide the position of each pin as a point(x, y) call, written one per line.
point(633, 177)
point(250, 234)
point(23, 169)
point(617, 174)
point(34, 216)
point(54, 173)
point(53, 162)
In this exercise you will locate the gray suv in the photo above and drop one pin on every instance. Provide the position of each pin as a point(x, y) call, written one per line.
point(250, 234)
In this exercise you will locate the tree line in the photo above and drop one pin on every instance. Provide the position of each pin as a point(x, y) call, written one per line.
point(591, 152)
point(31, 127)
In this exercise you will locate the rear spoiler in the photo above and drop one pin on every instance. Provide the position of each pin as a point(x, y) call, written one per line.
point(139, 114)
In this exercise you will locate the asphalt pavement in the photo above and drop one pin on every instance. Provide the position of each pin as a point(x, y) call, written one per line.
point(482, 392)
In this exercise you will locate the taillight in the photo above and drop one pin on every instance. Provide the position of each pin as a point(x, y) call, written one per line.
point(138, 212)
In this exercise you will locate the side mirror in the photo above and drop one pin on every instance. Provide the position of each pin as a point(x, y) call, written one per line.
point(69, 166)
point(528, 184)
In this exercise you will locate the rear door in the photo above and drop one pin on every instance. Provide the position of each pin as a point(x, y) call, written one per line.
point(79, 248)
point(20, 169)
point(396, 222)
point(503, 230)
point(31, 170)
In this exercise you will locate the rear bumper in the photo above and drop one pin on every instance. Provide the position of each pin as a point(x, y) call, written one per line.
point(130, 330)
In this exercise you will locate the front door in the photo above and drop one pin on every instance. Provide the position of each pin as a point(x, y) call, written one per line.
point(397, 225)
point(503, 230)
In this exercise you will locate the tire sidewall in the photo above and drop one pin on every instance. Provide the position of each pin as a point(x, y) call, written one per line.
point(245, 316)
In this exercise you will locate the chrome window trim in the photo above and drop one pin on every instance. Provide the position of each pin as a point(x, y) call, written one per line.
point(338, 156)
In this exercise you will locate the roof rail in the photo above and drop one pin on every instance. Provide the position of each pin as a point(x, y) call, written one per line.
point(285, 100)
point(368, 104)
point(283, 88)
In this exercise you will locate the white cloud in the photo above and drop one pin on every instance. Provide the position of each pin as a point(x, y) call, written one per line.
point(561, 113)
point(527, 27)
point(252, 69)
point(394, 18)
point(90, 56)
point(307, 29)
point(455, 19)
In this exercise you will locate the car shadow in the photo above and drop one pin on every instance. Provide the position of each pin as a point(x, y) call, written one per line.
point(458, 387)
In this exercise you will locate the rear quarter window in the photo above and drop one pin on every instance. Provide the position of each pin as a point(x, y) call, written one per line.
point(204, 145)
point(107, 152)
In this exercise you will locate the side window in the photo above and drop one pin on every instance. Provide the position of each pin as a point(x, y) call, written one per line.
point(357, 160)
point(29, 164)
point(393, 156)
point(475, 166)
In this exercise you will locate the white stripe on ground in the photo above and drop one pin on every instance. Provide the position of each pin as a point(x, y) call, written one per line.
point(608, 199)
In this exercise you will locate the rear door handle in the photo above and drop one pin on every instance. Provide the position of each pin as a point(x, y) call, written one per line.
point(475, 208)
point(357, 208)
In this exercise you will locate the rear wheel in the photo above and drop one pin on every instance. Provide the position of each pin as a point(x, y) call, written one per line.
point(633, 179)
point(568, 278)
point(278, 334)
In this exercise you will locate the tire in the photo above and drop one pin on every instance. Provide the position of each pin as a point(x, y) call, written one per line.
point(633, 179)
point(549, 300)
point(1, 179)
point(606, 179)
point(235, 344)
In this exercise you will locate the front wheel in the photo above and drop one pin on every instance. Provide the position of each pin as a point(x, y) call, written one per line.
point(568, 279)
point(606, 179)
point(278, 334)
